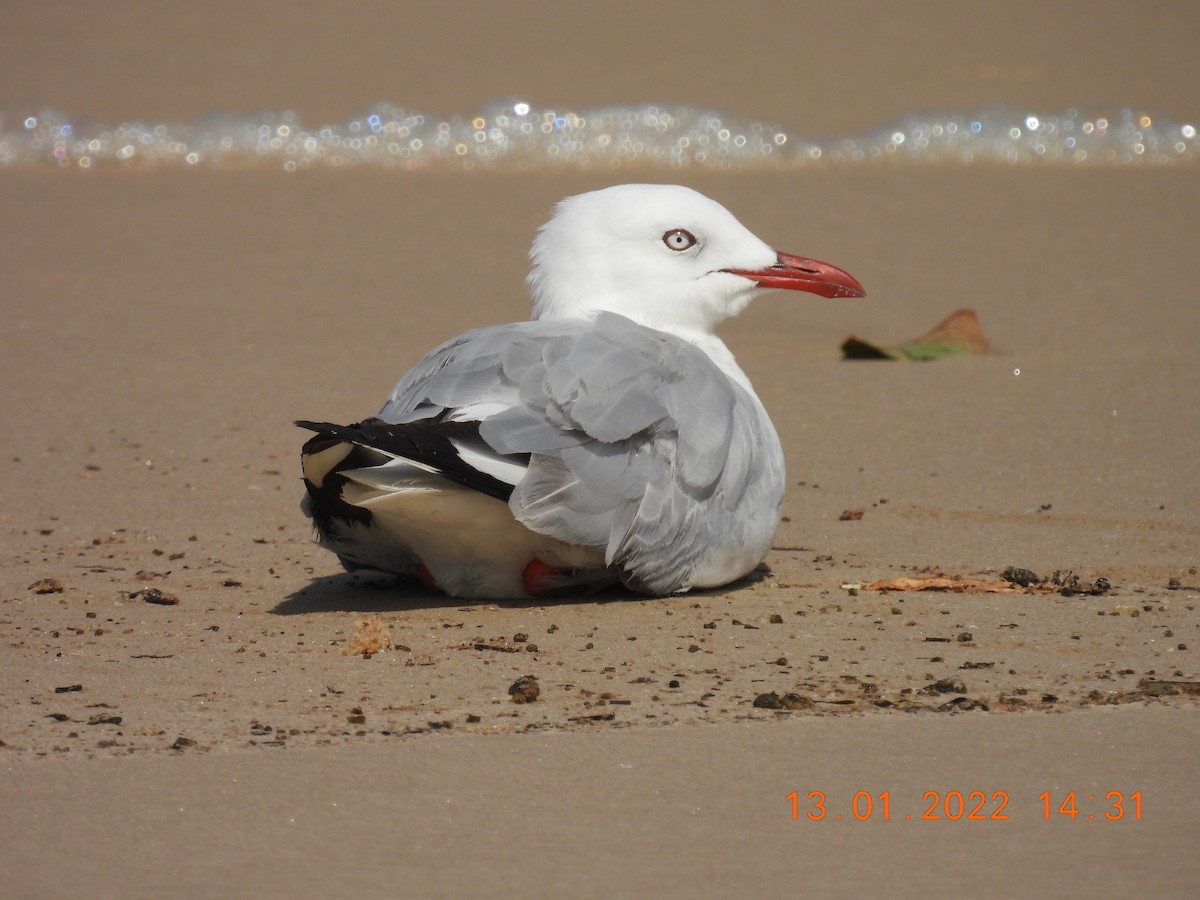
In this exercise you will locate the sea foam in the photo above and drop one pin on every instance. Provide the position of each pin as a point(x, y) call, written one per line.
point(515, 135)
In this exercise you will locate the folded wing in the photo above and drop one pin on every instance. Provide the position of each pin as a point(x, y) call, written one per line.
point(606, 434)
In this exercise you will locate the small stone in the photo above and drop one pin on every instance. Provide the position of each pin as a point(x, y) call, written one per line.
point(945, 686)
point(776, 619)
point(524, 690)
point(1019, 576)
point(154, 595)
point(47, 586)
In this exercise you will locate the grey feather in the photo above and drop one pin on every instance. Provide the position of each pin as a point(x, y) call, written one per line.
point(638, 441)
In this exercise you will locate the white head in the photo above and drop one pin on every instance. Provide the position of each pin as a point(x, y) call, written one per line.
point(662, 255)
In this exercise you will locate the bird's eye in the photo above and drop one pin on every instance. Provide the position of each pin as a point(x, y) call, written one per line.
point(679, 239)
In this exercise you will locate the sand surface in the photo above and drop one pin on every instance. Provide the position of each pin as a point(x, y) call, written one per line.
point(162, 330)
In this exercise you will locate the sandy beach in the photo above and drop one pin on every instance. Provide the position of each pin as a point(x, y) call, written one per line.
point(163, 328)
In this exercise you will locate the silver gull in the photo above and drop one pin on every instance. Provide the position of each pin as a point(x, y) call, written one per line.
point(612, 439)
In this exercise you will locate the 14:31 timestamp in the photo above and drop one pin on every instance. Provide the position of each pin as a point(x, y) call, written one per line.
point(1116, 805)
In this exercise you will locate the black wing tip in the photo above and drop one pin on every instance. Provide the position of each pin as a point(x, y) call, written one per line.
point(314, 426)
point(326, 432)
point(426, 442)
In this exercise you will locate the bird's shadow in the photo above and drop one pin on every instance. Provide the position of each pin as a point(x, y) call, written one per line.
point(364, 591)
point(370, 592)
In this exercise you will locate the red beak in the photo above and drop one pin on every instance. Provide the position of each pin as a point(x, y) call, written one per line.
point(795, 273)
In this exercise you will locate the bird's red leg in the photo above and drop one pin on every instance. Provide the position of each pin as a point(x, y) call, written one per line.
point(538, 578)
point(426, 577)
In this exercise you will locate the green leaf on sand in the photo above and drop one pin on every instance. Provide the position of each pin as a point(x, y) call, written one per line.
point(958, 334)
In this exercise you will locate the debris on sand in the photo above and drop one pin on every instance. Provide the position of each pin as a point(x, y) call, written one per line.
point(372, 636)
point(1012, 580)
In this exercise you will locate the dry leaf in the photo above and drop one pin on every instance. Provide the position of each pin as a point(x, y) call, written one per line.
point(958, 334)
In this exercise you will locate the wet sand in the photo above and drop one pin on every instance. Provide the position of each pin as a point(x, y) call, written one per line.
point(163, 329)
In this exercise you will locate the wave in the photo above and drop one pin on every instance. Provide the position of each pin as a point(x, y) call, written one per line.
point(515, 135)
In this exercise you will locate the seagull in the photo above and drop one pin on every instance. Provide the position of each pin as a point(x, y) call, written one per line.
point(611, 440)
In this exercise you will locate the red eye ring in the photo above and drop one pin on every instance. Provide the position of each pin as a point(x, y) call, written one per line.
point(679, 239)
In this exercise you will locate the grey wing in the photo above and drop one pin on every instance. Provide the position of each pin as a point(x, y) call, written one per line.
point(465, 372)
point(638, 443)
